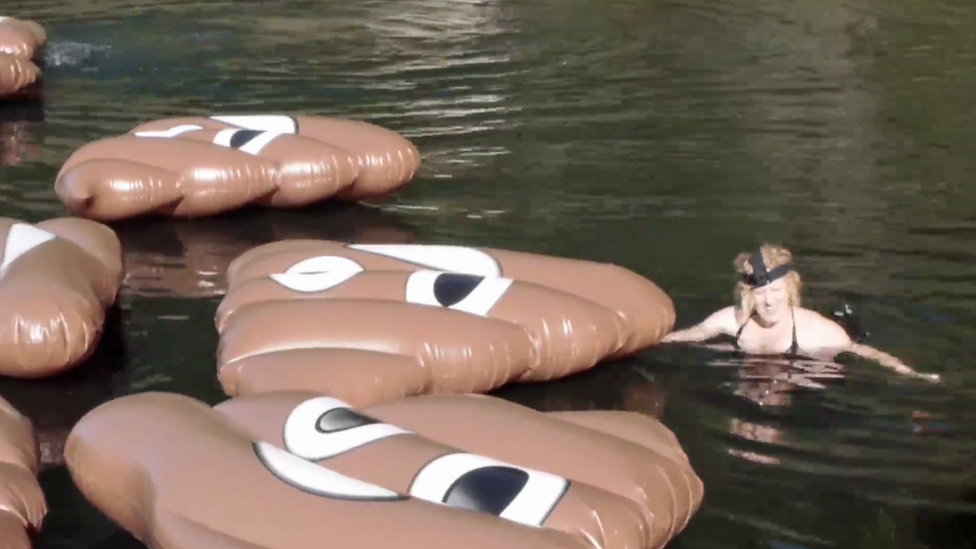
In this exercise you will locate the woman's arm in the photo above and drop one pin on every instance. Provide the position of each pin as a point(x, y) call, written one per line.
point(831, 338)
point(696, 333)
point(714, 325)
point(888, 361)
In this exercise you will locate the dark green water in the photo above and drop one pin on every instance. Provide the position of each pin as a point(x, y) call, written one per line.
point(662, 136)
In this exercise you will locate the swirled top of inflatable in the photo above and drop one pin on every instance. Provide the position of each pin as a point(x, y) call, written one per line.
point(19, 43)
point(56, 280)
point(199, 166)
point(21, 38)
point(427, 472)
point(409, 319)
point(22, 503)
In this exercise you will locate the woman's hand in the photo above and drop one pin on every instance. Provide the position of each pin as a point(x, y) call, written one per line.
point(717, 323)
point(934, 378)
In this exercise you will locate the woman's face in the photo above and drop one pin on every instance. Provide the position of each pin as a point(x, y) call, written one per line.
point(771, 301)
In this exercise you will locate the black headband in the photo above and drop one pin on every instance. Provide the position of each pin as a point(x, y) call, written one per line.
point(760, 276)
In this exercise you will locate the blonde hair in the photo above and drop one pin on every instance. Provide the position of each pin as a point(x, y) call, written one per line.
point(773, 256)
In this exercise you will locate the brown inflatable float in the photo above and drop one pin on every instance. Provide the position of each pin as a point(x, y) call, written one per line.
point(200, 166)
point(20, 42)
point(308, 314)
point(297, 471)
point(22, 503)
point(57, 278)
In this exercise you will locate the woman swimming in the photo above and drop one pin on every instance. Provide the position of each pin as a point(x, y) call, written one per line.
point(768, 318)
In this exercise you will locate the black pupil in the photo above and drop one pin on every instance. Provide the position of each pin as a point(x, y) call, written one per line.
point(487, 489)
point(242, 137)
point(451, 288)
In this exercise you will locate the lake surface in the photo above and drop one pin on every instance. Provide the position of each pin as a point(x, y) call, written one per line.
point(664, 136)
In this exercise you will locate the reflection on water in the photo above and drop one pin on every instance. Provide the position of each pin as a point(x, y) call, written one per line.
point(17, 121)
point(759, 433)
point(662, 136)
point(189, 259)
point(768, 382)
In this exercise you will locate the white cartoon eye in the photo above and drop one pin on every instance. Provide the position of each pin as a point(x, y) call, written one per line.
point(456, 259)
point(482, 484)
point(463, 292)
point(172, 132)
point(317, 480)
point(317, 274)
point(262, 122)
point(22, 238)
point(248, 141)
point(324, 427)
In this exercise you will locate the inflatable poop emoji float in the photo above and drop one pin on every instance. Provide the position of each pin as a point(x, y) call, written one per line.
point(410, 319)
point(202, 166)
point(20, 43)
point(57, 278)
point(296, 470)
point(22, 503)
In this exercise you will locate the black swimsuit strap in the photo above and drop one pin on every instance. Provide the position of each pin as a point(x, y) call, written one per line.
point(735, 343)
point(794, 347)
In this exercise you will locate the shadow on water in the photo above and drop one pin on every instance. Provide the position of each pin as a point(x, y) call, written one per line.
point(620, 385)
point(951, 528)
point(55, 404)
point(72, 522)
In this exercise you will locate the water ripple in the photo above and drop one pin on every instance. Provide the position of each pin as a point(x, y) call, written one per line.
point(664, 136)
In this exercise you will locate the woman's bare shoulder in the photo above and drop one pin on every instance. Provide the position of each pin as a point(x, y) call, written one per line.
point(817, 328)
